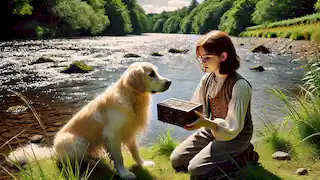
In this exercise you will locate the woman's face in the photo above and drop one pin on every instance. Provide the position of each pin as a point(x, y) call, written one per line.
point(210, 62)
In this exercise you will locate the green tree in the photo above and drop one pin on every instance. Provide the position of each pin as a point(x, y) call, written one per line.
point(186, 22)
point(193, 4)
point(119, 16)
point(317, 6)
point(209, 17)
point(236, 19)
point(81, 16)
point(138, 17)
point(159, 25)
point(275, 10)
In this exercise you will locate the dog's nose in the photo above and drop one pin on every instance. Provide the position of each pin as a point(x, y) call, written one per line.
point(168, 83)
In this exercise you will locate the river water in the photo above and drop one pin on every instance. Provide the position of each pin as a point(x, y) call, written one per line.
point(105, 54)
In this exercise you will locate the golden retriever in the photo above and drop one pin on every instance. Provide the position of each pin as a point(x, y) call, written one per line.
point(113, 118)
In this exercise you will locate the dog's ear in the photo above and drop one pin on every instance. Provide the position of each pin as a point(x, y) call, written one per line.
point(134, 79)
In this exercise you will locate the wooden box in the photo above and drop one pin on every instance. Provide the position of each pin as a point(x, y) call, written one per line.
point(178, 112)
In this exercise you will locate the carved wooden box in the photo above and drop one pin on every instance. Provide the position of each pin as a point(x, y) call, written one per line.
point(178, 112)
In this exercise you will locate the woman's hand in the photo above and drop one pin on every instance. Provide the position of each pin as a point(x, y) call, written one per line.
point(200, 122)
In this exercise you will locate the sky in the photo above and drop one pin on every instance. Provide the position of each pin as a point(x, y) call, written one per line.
point(157, 6)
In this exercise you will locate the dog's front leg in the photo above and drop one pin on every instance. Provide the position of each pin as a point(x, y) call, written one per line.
point(133, 148)
point(114, 148)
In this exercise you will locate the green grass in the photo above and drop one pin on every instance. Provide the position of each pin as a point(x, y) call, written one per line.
point(309, 19)
point(165, 144)
point(269, 169)
point(295, 32)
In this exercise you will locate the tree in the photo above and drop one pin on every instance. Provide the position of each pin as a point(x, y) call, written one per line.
point(209, 17)
point(317, 6)
point(119, 16)
point(193, 4)
point(275, 10)
point(138, 17)
point(236, 19)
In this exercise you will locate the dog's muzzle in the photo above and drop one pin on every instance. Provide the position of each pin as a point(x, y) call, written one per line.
point(167, 85)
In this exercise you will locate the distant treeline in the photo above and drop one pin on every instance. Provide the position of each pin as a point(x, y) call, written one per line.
point(232, 16)
point(61, 18)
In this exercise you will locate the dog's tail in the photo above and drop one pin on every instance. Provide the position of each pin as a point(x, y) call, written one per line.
point(30, 153)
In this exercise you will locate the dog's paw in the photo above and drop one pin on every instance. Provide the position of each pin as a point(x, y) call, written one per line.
point(127, 175)
point(147, 163)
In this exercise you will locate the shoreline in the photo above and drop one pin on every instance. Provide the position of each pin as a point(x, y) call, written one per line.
point(300, 49)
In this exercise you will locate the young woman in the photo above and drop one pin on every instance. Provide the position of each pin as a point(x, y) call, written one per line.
point(225, 126)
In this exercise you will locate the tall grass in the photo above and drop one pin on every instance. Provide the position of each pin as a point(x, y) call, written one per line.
point(304, 115)
point(312, 77)
point(165, 144)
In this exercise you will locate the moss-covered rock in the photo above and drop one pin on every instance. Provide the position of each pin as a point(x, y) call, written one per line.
point(77, 67)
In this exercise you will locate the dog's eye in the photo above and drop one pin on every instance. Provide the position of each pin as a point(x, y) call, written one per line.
point(152, 74)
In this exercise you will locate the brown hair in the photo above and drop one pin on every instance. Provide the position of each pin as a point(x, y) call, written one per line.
point(217, 42)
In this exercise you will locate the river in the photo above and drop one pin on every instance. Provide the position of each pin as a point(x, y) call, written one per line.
point(105, 54)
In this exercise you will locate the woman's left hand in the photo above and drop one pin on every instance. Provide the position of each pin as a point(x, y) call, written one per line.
point(200, 122)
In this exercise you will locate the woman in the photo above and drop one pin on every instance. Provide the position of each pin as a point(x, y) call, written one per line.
point(225, 126)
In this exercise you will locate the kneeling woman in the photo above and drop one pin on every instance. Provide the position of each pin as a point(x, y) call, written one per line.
point(225, 126)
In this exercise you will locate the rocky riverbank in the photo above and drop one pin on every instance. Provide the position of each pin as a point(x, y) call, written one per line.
point(53, 115)
point(300, 49)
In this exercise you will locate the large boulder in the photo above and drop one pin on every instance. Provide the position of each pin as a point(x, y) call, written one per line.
point(172, 50)
point(42, 60)
point(77, 67)
point(260, 49)
point(156, 54)
point(257, 68)
point(131, 55)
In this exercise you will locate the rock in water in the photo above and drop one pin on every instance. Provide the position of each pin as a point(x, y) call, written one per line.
point(156, 54)
point(42, 60)
point(257, 68)
point(36, 139)
point(279, 155)
point(131, 55)
point(302, 171)
point(241, 44)
point(77, 67)
point(16, 109)
point(261, 49)
point(172, 50)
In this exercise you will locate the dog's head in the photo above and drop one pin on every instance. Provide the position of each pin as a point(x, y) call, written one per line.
point(144, 77)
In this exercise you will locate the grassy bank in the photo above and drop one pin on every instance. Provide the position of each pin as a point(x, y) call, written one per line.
point(296, 32)
point(302, 28)
point(269, 169)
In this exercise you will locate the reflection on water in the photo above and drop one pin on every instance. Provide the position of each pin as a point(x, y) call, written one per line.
point(105, 54)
